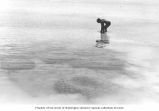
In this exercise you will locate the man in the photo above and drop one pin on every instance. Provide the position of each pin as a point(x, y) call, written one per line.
point(104, 25)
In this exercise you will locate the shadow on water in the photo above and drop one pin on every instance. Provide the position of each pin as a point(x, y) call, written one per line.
point(52, 70)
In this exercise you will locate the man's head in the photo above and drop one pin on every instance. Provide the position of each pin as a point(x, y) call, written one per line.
point(99, 20)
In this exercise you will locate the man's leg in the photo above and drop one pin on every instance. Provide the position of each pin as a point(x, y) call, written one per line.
point(104, 38)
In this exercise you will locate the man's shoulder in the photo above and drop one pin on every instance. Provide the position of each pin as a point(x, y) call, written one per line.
point(104, 20)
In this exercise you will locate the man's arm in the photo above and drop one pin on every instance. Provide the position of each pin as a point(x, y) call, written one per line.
point(106, 25)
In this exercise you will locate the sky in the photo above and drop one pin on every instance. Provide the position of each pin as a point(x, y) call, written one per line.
point(143, 9)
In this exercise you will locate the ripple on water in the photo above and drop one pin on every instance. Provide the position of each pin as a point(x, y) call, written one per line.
point(90, 59)
point(17, 63)
point(86, 86)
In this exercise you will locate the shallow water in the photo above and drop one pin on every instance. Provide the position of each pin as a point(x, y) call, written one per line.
point(53, 59)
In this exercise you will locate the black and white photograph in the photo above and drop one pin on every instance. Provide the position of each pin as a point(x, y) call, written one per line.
point(79, 52)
